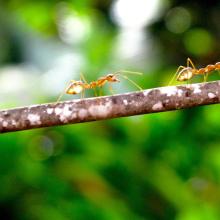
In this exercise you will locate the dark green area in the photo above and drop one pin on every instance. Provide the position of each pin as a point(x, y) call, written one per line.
point(159, 167)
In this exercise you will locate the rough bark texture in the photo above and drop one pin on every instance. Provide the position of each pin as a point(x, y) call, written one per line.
point(99, 108)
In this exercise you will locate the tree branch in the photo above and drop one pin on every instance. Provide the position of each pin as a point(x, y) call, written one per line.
point(105, 107)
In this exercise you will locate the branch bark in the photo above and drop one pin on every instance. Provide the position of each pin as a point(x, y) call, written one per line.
point(106, 107)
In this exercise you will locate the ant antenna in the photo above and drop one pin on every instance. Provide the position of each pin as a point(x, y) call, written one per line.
point(82, 77)
point(131, 81)
point(123, 74)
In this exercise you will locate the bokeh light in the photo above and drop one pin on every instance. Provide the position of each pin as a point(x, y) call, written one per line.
point(133, 42)
point(41, 147)
point(178, 20)
point(72, 27)
point(199, 42)
point(135, 14)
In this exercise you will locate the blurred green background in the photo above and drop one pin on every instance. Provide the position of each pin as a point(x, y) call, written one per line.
point(159, 166)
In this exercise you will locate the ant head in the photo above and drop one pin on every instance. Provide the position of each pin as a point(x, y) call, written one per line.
point(75, 87)
point(185, 74)
point(112, 78)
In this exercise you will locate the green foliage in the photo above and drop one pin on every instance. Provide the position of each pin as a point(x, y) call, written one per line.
point(161, 166)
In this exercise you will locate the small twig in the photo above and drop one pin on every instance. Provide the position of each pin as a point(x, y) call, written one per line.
point(99, 108)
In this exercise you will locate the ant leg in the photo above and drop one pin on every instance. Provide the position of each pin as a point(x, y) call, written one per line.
point(95, 92)
point(205, 77)
point(62, 93)
point(188, 81)
point(100, 84)
point(110, 89)
point(82, 77)
point(100, 91)
point(189, 62)
point(176, 73)
point(82, 93)
point(218, 72)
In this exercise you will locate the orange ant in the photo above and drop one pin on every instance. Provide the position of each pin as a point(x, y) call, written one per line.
point(77, 87)
point(186, 72)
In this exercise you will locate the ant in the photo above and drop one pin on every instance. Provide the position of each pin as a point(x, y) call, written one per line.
point(79, 86)
point(186, 72)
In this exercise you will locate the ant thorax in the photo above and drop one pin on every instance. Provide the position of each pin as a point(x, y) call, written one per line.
point(185, 74)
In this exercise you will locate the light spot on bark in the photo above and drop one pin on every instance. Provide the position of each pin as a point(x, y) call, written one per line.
point(65, 114)
point(13, 122)
point(66, 111)
point(4, 123)
point(100, 110)
point(125, 101)
point(211, 95)
point(157, 106)
point(49, 111)
point(179, 92)
point(34, 119)
point(82, 113)
point(58, 110)
point(146, 92)
point(169, 90)
point(6, 113)
point(196, 88)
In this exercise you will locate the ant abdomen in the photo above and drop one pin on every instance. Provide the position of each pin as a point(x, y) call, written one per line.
point(210, 68)
point(217, 66)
